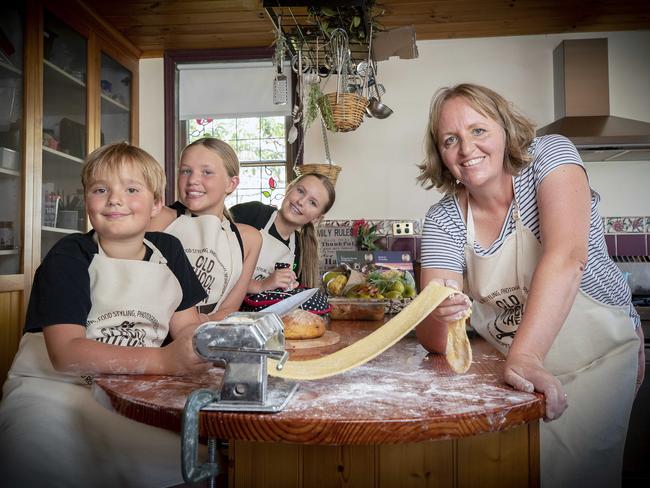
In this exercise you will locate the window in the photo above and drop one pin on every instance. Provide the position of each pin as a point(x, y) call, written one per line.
point(260, 144)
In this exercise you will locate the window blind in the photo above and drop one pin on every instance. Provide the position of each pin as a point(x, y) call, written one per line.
point(229, 90)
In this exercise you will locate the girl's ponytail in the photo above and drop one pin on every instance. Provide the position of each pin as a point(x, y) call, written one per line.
point(308, 266)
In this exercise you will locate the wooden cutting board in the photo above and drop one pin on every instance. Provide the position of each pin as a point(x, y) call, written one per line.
point(329, 338)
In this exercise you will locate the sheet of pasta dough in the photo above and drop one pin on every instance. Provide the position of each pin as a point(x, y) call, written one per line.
point(370, 346)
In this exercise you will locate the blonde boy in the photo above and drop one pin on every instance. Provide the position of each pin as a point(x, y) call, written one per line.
point(108, 301)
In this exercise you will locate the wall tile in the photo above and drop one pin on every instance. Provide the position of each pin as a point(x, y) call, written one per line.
point(418, 248)
point(626, 225)
point(403, 244)
point(631, 245)
point(610, 240)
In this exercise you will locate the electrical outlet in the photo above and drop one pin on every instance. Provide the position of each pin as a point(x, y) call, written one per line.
point(402, 228)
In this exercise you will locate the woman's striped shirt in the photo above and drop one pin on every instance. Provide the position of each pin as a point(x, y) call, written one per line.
point(444, 230)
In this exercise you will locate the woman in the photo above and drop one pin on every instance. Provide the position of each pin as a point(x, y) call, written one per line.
point(288, 235)
point(518, 230)
point(223, 254)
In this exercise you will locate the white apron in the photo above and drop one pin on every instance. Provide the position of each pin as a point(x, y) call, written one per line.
point(274, 251)
point(594, 356)
point(53, 433)
point(213, 250)
point(141, 317)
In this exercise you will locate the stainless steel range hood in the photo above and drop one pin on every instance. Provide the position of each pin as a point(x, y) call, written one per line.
point(581, 92)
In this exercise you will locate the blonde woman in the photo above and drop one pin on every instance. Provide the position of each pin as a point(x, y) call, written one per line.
point(222, 253)
point(519, 230)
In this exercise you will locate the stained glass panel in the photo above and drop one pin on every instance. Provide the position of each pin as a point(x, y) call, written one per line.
point(260, 144)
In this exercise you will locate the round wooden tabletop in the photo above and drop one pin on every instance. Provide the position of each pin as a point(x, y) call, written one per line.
point(404, 395)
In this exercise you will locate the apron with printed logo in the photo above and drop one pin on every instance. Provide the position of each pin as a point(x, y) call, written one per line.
point(214, 253)
point(594, 356)
point(81, 442)
point(273, 251)
point(142, 317)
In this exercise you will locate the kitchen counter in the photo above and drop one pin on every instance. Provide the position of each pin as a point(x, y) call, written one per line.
point(405, 413)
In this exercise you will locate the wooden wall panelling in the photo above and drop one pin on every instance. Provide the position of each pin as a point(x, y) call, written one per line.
point(493, 460)
point(264, 464)
point(428, 464)
point(11, 323)
point(321, 459)
point(497, 457)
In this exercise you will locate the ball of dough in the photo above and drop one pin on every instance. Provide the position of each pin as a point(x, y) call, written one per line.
point(301, 324)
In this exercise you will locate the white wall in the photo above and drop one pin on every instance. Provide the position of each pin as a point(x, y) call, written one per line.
point(379, 158)
point(152, 108)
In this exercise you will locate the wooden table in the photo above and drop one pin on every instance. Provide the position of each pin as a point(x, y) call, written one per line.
point(403, 419)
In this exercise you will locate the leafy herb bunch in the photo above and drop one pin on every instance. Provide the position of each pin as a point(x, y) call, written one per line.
point(366, 235)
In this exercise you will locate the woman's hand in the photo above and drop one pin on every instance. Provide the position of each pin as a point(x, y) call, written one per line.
point(526, 373)
point(281, 278)
point(432, 331)
point(454, 307)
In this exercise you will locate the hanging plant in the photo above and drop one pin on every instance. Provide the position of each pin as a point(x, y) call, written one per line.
point(318, 104)
point(326, 112)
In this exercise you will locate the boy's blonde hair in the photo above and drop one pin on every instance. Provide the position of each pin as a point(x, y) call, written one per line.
point(111, 158)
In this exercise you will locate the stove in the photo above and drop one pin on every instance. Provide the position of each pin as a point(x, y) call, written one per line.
point(636, 470)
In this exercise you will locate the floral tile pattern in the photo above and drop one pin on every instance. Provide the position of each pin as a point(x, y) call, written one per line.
point(625, 225)
point(629, 235)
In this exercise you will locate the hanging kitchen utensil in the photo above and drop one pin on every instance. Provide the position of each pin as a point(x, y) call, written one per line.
point(375, 107)
point(280, 82)
point(280, 88)
point(340, 52)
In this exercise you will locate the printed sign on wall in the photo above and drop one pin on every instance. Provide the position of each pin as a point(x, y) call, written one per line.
point(334, 237)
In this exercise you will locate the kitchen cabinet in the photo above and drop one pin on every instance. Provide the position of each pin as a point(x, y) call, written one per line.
point(68, 84)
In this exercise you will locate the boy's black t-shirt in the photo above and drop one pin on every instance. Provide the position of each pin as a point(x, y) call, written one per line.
point(61, 291)
point(257, 214)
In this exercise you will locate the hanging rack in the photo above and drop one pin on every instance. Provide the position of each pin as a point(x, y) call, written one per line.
point(306, 28)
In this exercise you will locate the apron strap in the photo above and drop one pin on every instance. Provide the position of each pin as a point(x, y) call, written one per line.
point(470, 224)
point(519, 227)
point(292, 237)
point(156, 255)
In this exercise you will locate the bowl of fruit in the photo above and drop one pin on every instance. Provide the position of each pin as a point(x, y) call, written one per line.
point(393, 288)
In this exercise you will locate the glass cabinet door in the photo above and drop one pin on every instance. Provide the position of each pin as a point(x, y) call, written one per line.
point(115, 85)
point(64, 131)
point(11, 120)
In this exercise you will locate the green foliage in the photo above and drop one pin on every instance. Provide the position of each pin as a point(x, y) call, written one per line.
point(348, 18)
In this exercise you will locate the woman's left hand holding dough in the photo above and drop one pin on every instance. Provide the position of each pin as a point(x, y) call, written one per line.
point(526, 373)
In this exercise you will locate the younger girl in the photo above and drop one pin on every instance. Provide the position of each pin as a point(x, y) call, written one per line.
point(288, 234)
point(223, 254)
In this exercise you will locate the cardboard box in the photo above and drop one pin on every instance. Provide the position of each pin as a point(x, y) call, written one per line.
point(399, 41)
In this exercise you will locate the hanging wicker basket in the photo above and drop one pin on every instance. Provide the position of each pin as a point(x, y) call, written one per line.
point(348, 113)
point(330, 170)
